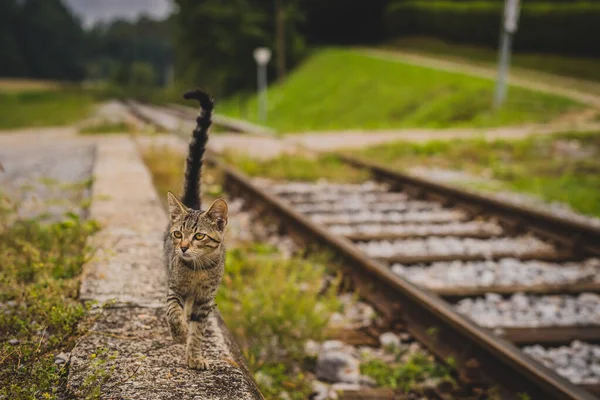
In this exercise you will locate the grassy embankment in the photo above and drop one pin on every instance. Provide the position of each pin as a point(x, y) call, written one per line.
point(40, 314)
point(343, 89)
point(33, 106)
point(573, 67)
point(562, 167)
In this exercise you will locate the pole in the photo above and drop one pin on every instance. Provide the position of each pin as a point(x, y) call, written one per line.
point(262, 92)
point(504, 62)
point(262, 55)
point(509, 27)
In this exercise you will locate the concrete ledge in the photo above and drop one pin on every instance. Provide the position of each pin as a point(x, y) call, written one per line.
point(149, 364)
point(141, 360)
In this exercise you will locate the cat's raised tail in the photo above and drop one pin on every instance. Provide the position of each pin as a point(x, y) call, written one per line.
point(193, 168)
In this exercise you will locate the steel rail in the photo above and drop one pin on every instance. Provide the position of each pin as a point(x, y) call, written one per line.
point(481, 357)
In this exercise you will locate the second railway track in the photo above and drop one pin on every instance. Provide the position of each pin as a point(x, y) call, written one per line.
point(468, 276)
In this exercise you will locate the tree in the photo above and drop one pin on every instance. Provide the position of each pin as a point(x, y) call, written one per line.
point(113, 48)
point(12, 63)
point(51, 40)
point(215, 40)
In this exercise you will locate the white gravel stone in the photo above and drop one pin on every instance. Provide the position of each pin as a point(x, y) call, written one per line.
point(337, 366)
point(518, 246)
point(576, 362)
point(355, 314)
point(389, 340)
point(323, 186)
point(507, 271)
point(521, 310)
point(334, 198)
point(344, 206)
point(320, 390)
point(367, 217)
point(311, 348)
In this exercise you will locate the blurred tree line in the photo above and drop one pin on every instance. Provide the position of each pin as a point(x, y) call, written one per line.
point(210, 42)
point(41, 39)
point(44, 39)
point(214, 39)
point(138, 53)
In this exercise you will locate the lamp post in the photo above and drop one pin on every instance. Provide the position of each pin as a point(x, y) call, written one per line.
point(509, 27)
point(262, 55)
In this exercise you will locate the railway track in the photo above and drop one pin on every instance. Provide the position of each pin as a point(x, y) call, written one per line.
point(472, 278)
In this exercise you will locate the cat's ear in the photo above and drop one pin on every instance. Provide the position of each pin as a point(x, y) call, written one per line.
point(176, 208)
point(218, 213)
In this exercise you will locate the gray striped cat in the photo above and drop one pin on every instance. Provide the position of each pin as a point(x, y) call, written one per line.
point(194, 248)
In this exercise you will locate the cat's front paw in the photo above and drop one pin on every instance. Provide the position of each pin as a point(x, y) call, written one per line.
point(179, 332)
point(199, 363)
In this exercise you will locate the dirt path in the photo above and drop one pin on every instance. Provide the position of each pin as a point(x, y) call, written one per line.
point(328, 141)
point(538, 81)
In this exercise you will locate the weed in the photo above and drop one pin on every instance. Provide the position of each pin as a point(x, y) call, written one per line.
point(298, 168)
point(272, 317)
point(562, 167)
point(38, 301)
point(99, 373)
point(408, 372)
point(43, 108)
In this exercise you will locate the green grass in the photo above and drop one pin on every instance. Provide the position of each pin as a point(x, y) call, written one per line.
point(342, 89)
point(407, 373)
point(562, 167)
point(297, 168)
point(39, 309)
point(272, 318)
point(574, 67)
point(167, 168)
point(43, 108)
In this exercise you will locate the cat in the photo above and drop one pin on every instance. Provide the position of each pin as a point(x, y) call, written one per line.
point(194, 248)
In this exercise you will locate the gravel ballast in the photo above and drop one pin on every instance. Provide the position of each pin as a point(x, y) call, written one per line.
point(507, 271)
point(449, 246)
point(579, 362)
point(522, 310)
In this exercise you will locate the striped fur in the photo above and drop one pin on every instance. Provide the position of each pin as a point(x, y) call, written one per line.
point(194, 250)
point(197, 147)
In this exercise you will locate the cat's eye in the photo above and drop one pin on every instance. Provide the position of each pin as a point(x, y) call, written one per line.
point(199, 236)
point(177, 235)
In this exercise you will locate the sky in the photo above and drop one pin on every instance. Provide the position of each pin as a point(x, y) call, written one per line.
point(92, 11)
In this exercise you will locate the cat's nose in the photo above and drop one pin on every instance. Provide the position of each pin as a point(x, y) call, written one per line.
point(184, 249)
